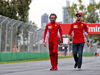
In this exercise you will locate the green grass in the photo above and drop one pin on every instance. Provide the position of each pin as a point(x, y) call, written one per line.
point(19, 61)
point(62, 57)
point(30, 60)
point(41, 59)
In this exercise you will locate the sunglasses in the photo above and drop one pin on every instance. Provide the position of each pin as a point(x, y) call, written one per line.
point(52, 18)
point(78, 15)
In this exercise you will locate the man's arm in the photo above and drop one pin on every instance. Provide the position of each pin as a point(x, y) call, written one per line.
point(45, 35)
point(60, 35)
point(69, 34)
point(87, 37)
point(86, 33)
point(69, 37)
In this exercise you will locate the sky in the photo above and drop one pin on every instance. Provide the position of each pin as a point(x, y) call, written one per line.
point(39, 7)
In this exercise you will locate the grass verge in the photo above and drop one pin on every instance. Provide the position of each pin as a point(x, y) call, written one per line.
point(40, 59)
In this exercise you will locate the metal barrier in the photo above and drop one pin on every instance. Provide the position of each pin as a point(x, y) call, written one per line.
point(17, 36)
point(21, 41)
point(17, 56)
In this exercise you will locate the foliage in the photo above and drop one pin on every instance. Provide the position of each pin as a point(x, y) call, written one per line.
point(16, 9)
point(88, 14)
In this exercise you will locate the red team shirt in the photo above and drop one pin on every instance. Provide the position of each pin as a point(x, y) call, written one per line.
point(78, 31)
point(53, 31)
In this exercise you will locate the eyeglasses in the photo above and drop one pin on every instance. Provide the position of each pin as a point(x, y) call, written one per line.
point(52, 18)
point(78, 15)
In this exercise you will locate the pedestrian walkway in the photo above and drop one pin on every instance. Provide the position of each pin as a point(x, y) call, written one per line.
point(91, 66)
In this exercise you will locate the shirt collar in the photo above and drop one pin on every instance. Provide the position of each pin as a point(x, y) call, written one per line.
point(79, 22)
point(52, 23)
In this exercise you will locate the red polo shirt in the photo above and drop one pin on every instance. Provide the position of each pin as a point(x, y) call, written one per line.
point(53, 31)
point(78, 31)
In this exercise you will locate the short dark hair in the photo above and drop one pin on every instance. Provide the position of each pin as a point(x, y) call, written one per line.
point(53, 15)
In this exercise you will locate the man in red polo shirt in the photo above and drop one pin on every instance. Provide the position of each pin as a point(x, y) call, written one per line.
point(78, 31)
point(53, 31)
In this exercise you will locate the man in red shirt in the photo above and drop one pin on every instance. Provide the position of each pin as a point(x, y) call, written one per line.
point(53, 31)
point(78, 31)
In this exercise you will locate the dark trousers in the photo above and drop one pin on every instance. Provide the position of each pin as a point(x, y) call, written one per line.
point(65, 52)
point(78, 48)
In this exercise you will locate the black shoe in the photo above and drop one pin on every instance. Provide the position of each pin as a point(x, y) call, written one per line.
point(79, 67)
point(55, 69)
point(75, 65)
point(51, 69)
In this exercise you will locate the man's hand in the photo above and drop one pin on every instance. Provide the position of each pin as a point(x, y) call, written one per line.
point(87, 37)
point(44, 44)
point(60, 44)
point(88, 44)
point(68, 42)
point(69, 37)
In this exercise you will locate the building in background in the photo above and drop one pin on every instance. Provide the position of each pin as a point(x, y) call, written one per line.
point(60, 22)
point(96, 14)
point(66, 18)
point(92, 1)
point(44, 19)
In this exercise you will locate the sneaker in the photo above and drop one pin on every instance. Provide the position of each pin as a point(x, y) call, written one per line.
point(75, 65)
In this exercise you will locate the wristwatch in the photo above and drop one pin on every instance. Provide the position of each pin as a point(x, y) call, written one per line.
point(88, 41)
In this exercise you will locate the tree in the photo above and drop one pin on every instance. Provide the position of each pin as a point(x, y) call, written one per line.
point(71, 11)
point(91, 17)
point(16, 9)
point(88, 14)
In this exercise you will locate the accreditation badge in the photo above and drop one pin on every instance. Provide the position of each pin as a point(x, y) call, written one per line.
point(75, 26)
point(49, 27)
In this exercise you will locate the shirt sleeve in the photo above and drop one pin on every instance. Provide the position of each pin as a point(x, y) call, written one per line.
point(60, 33)
point(45, 33)
point(86, 29)
point(71, 29)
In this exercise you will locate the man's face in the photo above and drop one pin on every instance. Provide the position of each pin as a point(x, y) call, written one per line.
point(52, 19)
point(78, 17)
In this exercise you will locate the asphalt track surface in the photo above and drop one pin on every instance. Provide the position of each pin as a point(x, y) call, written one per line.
point(91, 66)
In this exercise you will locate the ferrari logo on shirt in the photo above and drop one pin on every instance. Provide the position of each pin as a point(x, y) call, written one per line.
point(55, 25)
point(75, 26)
point(49, 27)
point(81, 24)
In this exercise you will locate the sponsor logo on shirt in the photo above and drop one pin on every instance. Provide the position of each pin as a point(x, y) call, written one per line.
point(49, 27)
point(81, 24)
point(55, 25)
point(75, 26)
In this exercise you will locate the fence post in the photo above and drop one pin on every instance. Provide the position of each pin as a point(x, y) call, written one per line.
point(16, 37)
point(12, 34)
point(1, 31)
point(6, 34)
